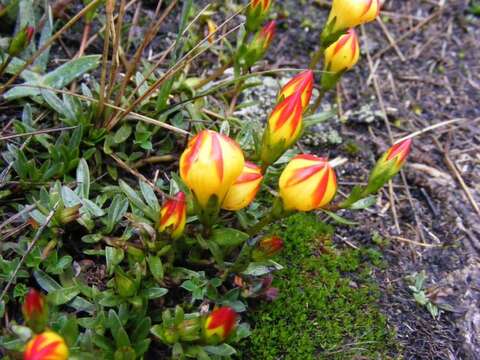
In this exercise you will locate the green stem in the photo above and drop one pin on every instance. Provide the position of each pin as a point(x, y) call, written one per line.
point(317, 103)
point(5, 64)
point(317, 56)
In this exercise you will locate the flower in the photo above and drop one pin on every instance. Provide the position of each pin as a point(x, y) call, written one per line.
point(219, 324)
point(389, 164)
point(173, 215)
point(307, 183)
point(212, 28)
point(283, 128)
point(302, 83)
point(35, 310)
point(343, 54)
point(244, 189)
point(210, 165)
point(21, 40)
point(46, 346)
point(267, 247)
point(256, 12)
point(256, 49)
point(346, 14)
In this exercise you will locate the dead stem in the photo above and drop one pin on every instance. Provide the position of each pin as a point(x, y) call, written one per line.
point(48, 43)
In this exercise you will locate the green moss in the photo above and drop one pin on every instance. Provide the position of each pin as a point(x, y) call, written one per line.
point(327, 303)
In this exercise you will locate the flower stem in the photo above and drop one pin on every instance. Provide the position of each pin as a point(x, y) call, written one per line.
point(317, 55)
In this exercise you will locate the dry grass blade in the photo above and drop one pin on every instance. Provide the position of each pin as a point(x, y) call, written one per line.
point(38, 132)
point(27, 252)
point(11, 219)
point(49, 42)
point(151, 32)
point(133, 115)
point(189, 57)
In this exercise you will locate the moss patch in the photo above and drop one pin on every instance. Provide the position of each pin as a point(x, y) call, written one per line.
point(327, 303)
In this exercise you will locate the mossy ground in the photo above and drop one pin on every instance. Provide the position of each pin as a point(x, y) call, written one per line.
point(327, 306)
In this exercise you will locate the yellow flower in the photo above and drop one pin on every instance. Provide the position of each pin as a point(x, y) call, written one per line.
point(46, 346)
point(307, 183)
point(343, 54)
point(173, 215)
point(210, 165)
point(245, 188)
point(302, 83)
point(283, 128)
point(350, 13)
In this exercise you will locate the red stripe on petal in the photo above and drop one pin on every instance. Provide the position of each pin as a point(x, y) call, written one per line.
point(193, 151)
point(341, 43)
point(354, 43)
point(309, 157)
point(319, 193)
point(402, 149)
point(303, 174)
point(247, 177)
point(367, 7)
point(217, 155)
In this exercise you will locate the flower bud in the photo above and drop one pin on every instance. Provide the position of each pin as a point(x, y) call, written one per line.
point(307, 183)
point(69, 214)
point(212, 28)
point(219, 325)
point(35, 310)
point(302, 83)
point(173, 216)
point(190, 329)
point(347, 14)
point(267, 247)
point(341, 56)
point(210, 165)
point(244, 189)
point(46, 346)
point(21, 40)
point(283, 128)
point(256, 12)
point(388, 165)
point(256, 50)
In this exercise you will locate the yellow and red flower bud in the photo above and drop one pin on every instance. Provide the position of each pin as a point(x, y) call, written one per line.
point(35, 310)
point(219, 325)
point(341, 56)
point(267, 248)
point(256, 49)
point(173, 216)
point(346, 14)
point(256, 12)
point(21, 40)
point(302, 83)
point(389, 164)
point(244, 189)
point(307, 183)
point(46, 346)
point(283, 128)
point(210, 165)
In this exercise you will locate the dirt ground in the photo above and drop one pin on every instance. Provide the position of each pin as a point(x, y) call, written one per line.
point(430, 76)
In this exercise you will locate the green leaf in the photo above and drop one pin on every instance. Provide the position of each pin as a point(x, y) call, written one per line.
point(262, 268)
point(364, 203)
point(156, 267)
point(223, 350)
point(339, 219)
point(63, 295)
point(154, 293)
point(227, 237)
point(149, 196)
point(122, 134)
point(115, 212)
point(58, 78)
point(113, 257)
point(57, 104)
point(118, 332)
point(137, 201)
point(46, 282)
point(83, 179)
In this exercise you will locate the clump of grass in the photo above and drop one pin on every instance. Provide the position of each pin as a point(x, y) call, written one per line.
point(327, 307)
